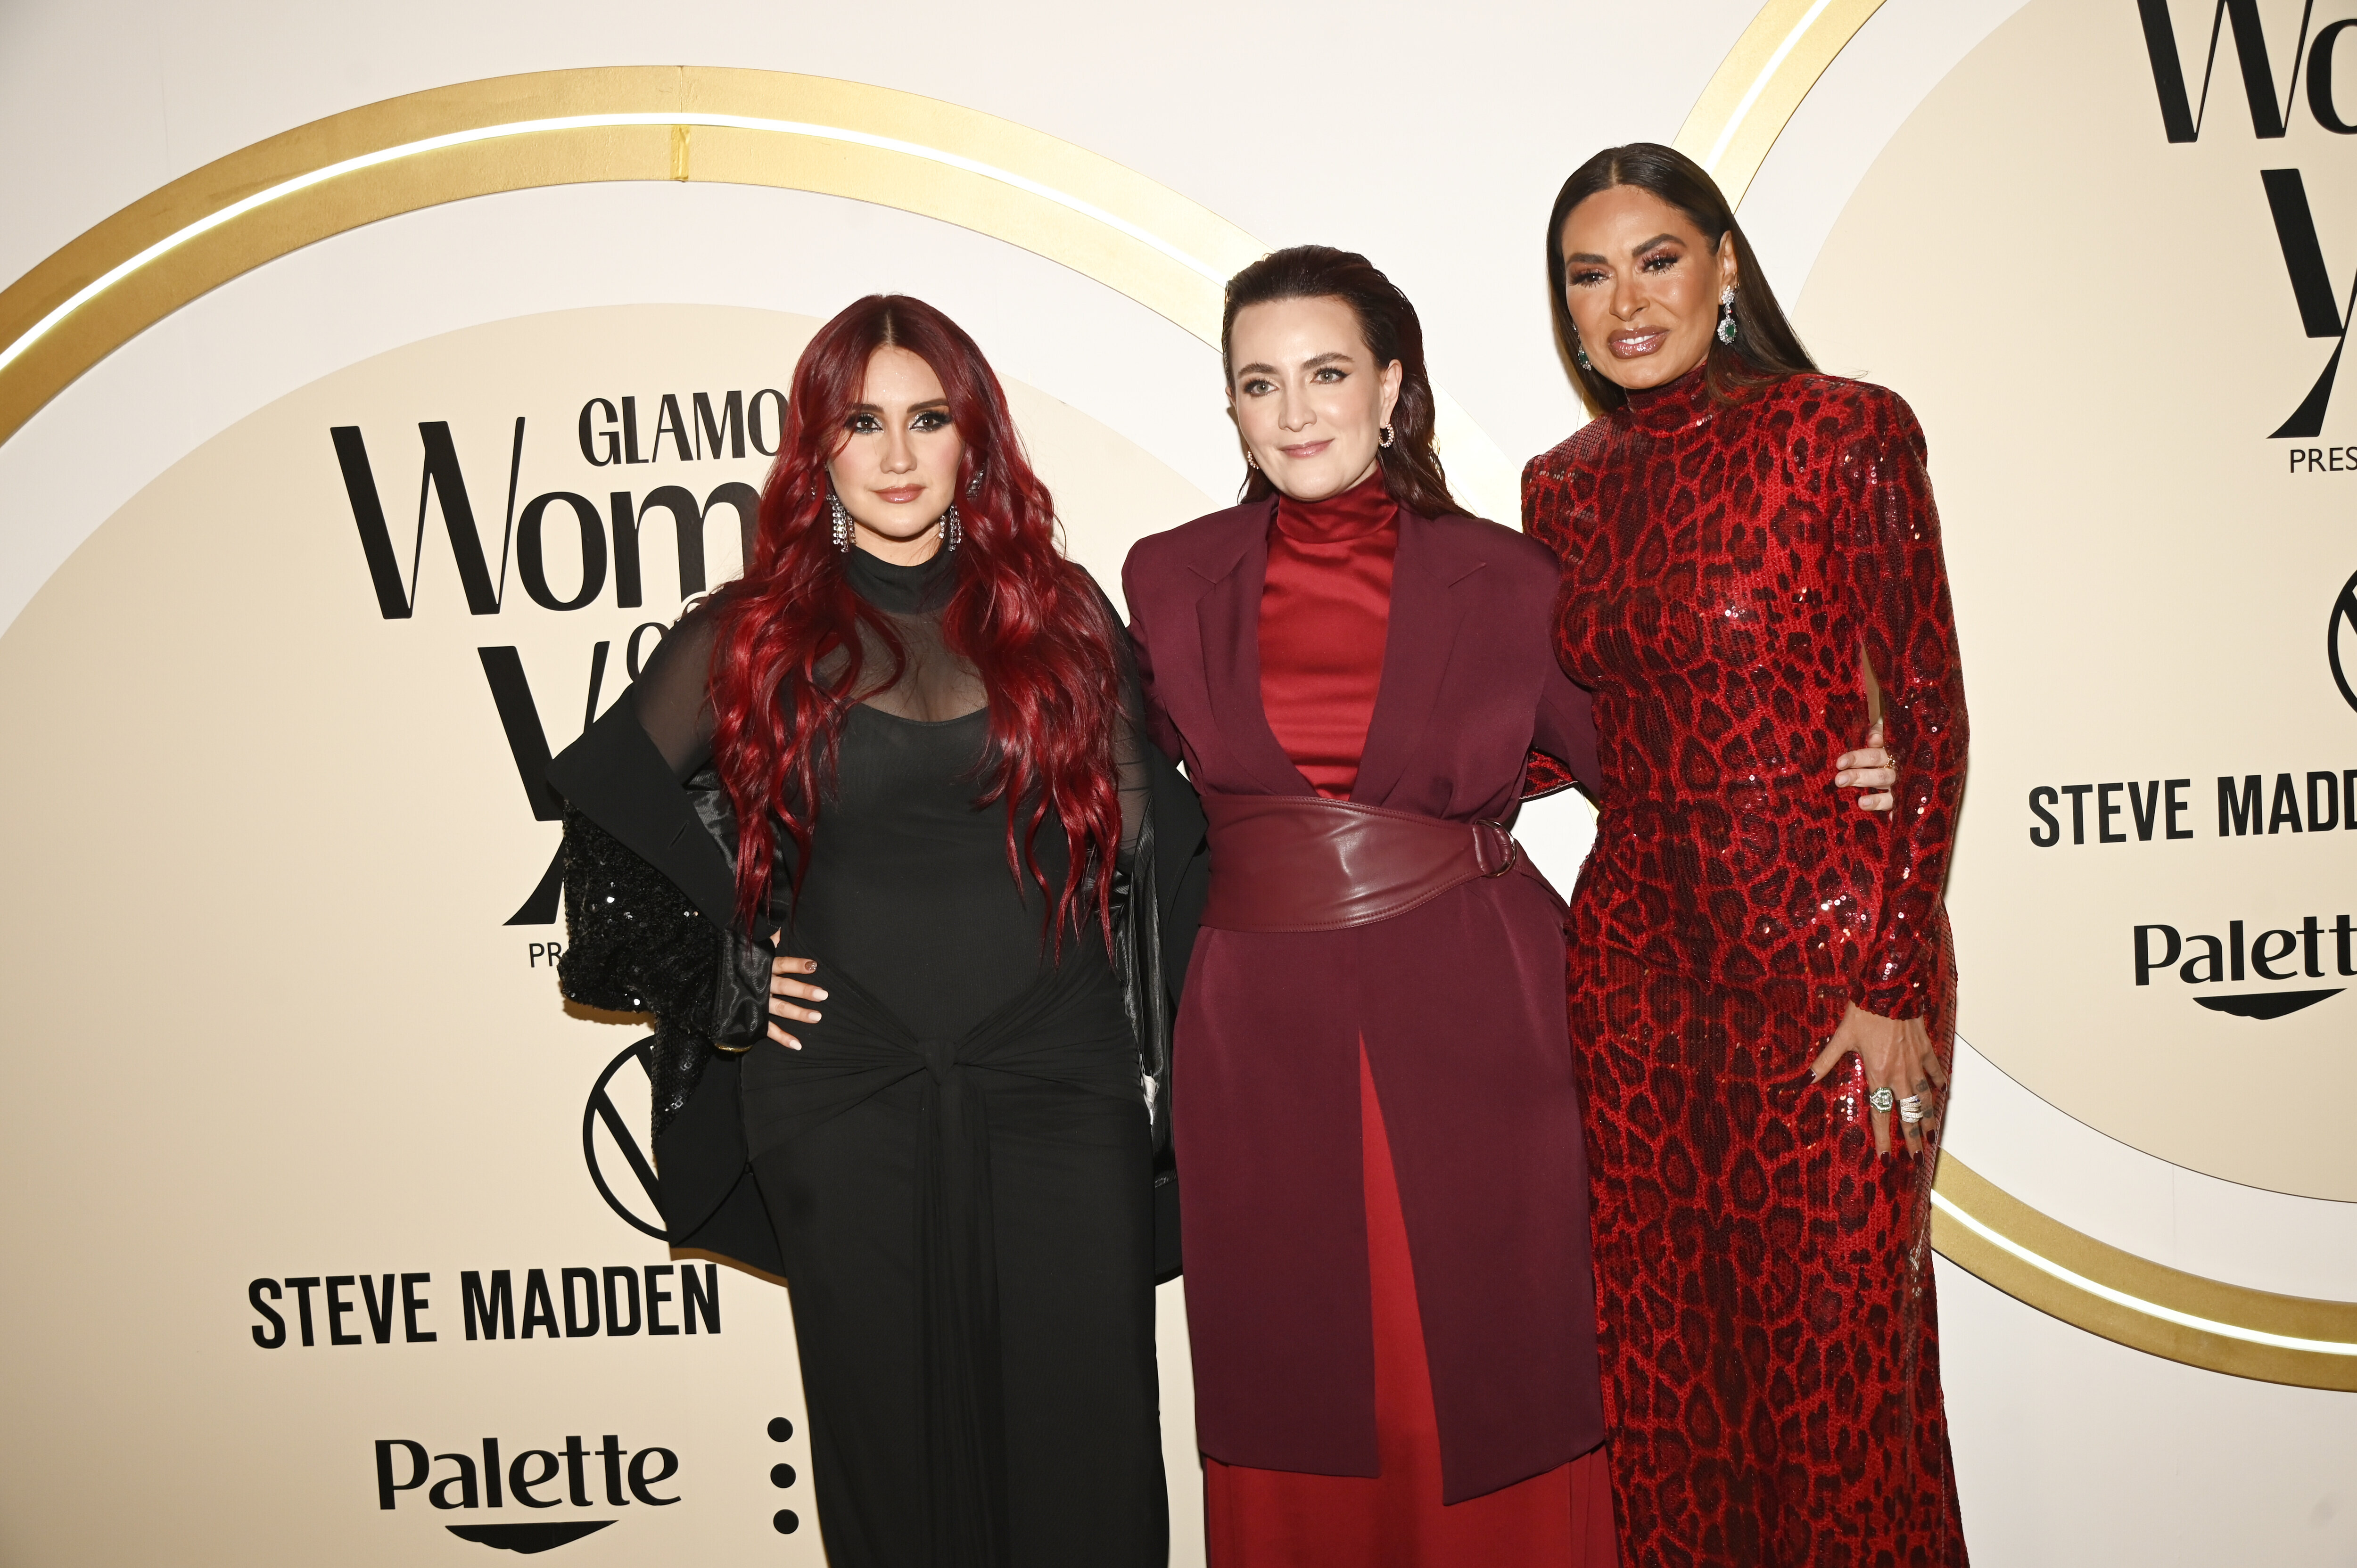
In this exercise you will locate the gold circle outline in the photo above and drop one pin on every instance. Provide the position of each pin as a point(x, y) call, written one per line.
point(943, 161)
point(776, 129)
point(1753, 95)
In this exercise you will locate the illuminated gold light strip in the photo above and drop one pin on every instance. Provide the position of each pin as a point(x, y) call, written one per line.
point(1753, 95)
point(696, 98)
point(2134, 1304)
point(262, 198)
point(2134, 1301)
point(1759, 83)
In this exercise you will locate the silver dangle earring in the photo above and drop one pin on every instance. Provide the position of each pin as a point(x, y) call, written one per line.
point(842, 521)
point(1385, 439)
point(951, 528)
point(973, 486)
point(1579, 352)
point(1727, 327)
point(1250, 461)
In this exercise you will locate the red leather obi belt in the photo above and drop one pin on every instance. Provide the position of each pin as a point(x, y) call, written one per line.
point(1303, 863)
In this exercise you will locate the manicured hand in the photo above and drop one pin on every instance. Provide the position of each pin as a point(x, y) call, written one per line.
point(1898, 1055)
point(783, 985)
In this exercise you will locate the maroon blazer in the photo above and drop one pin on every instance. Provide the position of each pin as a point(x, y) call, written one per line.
point(1459, 1003)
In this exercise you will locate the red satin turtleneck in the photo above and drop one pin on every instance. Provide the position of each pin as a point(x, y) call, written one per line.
point(1324, 613)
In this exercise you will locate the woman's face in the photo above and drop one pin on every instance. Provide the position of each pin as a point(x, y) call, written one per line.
point(897, 468)
point(1308, 396)
point(1642, 284)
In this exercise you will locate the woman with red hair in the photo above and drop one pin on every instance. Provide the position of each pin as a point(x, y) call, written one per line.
point(904, 744)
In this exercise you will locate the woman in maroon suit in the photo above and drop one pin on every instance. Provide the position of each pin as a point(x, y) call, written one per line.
point(1759, 978)
point(1385, 1222)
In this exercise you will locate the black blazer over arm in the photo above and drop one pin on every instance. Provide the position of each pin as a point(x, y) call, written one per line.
point(649, 894)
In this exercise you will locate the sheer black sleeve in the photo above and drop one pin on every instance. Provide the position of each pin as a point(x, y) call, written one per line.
point(1132, 762)
point(672, 695)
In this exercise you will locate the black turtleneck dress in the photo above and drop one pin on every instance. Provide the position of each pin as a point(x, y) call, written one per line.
point(956, 1163)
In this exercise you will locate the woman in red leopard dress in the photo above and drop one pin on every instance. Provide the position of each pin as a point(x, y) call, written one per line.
point(1761, 984)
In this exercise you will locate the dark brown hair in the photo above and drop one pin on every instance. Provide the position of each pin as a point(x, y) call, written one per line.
point(1412, 470)
point(1765, 347)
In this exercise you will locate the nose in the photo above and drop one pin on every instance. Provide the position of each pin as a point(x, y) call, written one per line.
point(1628, 296)
point(1293, 411)
point(900, 453)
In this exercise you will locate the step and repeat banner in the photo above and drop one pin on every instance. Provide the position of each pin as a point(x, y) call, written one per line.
point(324, 1191)
point(2110, 259)
point(335, 1190)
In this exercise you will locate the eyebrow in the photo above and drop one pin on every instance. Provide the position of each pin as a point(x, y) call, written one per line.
point(1258, 368)
point(940, 402)
point(1664, 239)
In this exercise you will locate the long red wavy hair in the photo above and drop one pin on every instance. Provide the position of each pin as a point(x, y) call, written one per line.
point(1030, 621)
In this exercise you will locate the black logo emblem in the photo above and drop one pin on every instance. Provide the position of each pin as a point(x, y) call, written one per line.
point(600, 1111)
point(2343, 624)
point(528, 1539)
point(2266, 1004)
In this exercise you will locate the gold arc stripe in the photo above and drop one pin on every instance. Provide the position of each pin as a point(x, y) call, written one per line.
point(1059, 201)
point(2134, 1301)
point(2036, 1260)
point(746, 127)
point(1751, 98)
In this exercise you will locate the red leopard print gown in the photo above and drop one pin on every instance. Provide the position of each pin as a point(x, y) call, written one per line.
point(1771, 1369)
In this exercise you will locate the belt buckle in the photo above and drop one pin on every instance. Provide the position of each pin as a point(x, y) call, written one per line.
point(1506, 855)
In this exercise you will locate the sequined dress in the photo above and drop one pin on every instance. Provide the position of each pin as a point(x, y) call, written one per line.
point(1769, 1332)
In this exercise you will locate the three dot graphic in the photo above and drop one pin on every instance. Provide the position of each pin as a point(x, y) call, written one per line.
point(783, 1477)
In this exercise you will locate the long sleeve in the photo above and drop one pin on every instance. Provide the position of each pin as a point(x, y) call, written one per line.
point(1132, 767)
point(1887, 533)
point(1159, 727)
point(1565, 741)
point(649, 889)
point(1159, 883)
point(1564, 748)
point(672, 697)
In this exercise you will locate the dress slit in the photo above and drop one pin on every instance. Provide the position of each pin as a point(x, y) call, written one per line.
point(1290, 1518)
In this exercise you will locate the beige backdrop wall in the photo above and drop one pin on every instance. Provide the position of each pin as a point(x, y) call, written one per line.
point(353, 1137)
point(299, 1106)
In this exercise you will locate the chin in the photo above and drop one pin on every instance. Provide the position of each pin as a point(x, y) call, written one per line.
point(1655, 369)
point(1318, 482)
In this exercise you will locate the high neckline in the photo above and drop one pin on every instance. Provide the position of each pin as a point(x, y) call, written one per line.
point(1365, 508)
point(900, 590)
point(1674, 406)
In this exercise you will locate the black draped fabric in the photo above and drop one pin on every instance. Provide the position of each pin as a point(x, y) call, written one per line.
point(982, 1198)
point(955, 1170)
